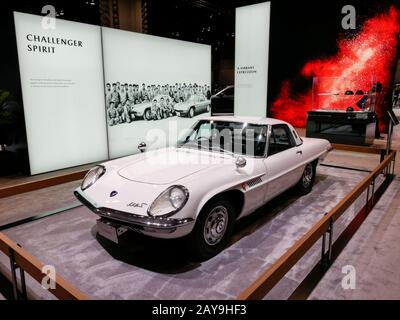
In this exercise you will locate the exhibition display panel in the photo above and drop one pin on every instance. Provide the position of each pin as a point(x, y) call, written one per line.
point(62, 86)
point(74, 116)
point(164, 85)
point(342, 112)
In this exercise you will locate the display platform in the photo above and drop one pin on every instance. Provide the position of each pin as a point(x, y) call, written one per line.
point(143, 268)
point(355, 128)
point(17, 184)
point(373, 254)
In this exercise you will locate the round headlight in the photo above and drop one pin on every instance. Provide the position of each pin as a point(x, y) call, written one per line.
point(92, 176)
point(169, 202)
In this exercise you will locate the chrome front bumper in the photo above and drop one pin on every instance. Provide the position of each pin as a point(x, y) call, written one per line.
point(153, 226)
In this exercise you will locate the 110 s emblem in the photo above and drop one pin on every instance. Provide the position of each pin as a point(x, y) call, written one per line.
point(136, 205)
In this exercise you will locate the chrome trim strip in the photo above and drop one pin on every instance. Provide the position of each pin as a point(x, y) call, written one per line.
point(133, 219)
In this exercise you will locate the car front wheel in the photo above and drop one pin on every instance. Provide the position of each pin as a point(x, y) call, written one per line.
point(307, 179)
point(213, 229)
point(191, 112)
point(147, 114)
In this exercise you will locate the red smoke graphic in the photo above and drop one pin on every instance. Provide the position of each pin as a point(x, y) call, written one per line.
point(370, 54)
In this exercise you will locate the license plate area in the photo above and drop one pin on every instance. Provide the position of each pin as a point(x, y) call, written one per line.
point(107, 231)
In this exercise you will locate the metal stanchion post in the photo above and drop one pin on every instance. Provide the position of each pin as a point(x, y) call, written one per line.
point(24, 294)
point(330, 230)
point(323, 251)
point(13, 267)
point(373, 189)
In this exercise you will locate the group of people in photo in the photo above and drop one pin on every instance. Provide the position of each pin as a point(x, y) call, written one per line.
point(123, 100)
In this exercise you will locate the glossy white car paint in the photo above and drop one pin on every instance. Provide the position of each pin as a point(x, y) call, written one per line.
point(139, 179)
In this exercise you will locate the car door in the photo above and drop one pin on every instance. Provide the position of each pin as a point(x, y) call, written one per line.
point(283, 161)
point(255, 171)
point(203, 103)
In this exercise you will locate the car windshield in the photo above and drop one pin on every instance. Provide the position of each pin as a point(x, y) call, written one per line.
point(226, 136)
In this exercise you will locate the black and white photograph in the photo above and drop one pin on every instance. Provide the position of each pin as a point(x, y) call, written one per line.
point(131, 102)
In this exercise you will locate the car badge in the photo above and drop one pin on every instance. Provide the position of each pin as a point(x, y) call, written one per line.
point(113, 193)
point(137, 205)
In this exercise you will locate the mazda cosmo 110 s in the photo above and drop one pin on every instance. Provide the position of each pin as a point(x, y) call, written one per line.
point(220, 170)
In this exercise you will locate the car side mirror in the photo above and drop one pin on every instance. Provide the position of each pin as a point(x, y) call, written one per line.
point(142, 146)
point(240, 162)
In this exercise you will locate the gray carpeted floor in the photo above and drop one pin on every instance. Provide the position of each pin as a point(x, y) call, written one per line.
point(374, 254)
point(145, 268)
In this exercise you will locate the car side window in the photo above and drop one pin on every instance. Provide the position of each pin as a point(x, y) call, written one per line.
point(280, 139)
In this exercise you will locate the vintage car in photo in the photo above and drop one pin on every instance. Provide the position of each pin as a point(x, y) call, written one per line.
point(143, 110)
point(197, 103)
point(221, 169)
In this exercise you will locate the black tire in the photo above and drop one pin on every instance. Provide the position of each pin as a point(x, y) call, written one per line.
point(306, 182)
point(191, 112)
point(147, 114)
point(200, 246)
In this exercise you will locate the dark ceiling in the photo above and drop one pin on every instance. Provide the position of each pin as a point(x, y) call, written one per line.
point(209, 22)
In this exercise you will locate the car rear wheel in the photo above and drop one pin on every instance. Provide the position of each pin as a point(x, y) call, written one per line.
point(213, 229)
point(307, 179)
point(191, 112)
point(147, 114)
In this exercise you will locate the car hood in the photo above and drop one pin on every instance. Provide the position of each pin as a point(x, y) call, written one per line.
point(183, 105)
point(167, 166)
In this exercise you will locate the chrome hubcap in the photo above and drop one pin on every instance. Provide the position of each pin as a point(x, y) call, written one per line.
point(307, 175)
point(215, 226)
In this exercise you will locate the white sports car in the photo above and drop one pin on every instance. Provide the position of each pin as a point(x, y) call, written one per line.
point(223, 169)
point(197, 103)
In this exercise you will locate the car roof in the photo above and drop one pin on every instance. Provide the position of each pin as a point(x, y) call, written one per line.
point(253, 120)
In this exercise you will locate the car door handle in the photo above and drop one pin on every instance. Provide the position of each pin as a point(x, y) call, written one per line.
point(299, 152)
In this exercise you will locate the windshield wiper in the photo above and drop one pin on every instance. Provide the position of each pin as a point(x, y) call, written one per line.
point(224, 150)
